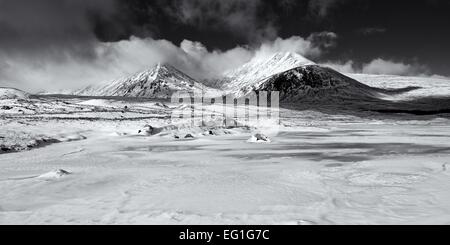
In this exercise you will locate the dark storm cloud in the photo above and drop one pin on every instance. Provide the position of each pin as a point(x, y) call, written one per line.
point(239, 16)
point(371, 30)
point(237, 21)
point(50, 27)
point(324, 40)
point(59, 26)
point(322, 7)
point(247, 20)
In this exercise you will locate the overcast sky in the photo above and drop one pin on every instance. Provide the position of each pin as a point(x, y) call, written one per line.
point(69, 43)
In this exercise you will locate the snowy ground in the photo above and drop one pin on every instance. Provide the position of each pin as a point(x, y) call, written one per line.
point(319, 169)
point(434, 87)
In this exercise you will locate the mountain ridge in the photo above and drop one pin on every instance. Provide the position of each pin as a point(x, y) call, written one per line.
point(160, 81)
point(296, 77)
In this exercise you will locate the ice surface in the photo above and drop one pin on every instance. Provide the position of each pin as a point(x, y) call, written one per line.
point(351, 174)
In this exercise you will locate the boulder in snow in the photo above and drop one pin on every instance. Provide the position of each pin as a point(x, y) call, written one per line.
point(259, 138)
point(56, 174)
point(150, 130)
point(189, 136)
point(209, 132)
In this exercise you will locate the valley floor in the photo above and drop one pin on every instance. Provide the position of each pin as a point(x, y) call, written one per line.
point(319, 169)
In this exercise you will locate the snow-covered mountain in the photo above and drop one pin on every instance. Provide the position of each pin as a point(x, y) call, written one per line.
point(12, 93)
point(160, 81)
point(299, 79)
point(294, 76)
point(316, 83)
point(252, 74)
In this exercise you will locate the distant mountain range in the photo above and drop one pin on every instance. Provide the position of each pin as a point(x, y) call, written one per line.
point(294, 76)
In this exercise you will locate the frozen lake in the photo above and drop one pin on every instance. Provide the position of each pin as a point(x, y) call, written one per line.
point(369, 172)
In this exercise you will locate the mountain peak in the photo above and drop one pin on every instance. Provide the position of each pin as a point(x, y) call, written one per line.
point(159, 81)
point(283, 57)
point(262, 67)
point(166, 68)
point(161, 66)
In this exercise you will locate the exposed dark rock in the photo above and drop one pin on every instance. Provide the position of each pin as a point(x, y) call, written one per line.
point(261, 137)
point(189, 136)
point(4, 148)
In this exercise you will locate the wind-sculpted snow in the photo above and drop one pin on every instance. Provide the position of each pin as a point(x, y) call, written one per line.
point(320, 169)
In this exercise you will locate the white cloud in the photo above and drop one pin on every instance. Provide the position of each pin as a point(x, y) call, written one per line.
point(380, 66)
point(294, 44)
point(118, 59)
point(347, 67)
point(205, 64)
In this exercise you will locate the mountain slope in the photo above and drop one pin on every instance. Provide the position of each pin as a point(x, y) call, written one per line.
point(316, 83)
point(12, 93)
point(241, 80)
point(159, 82)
